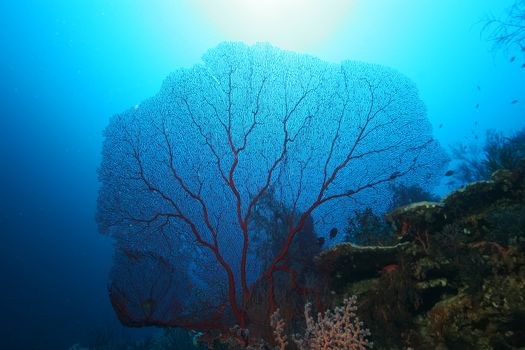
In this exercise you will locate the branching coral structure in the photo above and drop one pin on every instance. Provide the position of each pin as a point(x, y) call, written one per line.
point(337, 329)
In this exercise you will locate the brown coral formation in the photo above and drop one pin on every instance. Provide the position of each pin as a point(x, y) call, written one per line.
point(456, 280)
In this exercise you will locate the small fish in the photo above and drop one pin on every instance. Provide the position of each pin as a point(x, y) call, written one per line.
point(479, 89)
point(523, 65)
point(394, 175)
point(449, 173)
point(333, 233)
point(320, 241)
point(440, 125)
point(513, 102)
point(477, 106)
point(476, 122)
point(512, 58)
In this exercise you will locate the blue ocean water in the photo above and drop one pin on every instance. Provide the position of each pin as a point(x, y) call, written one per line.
point(68, 66)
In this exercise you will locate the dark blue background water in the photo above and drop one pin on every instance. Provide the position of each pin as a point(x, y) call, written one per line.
point(67, 66)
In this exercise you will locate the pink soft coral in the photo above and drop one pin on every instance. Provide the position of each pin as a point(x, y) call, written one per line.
point(338, 329)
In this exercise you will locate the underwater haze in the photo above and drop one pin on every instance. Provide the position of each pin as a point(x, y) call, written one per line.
point(72, 69)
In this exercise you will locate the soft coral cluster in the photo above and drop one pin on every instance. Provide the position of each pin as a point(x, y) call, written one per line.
point(337, 329)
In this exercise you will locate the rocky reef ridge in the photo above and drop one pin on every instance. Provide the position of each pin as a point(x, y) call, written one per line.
point(456, 278)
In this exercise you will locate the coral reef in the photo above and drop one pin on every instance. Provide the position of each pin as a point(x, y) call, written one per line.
point(337, 329)
point(455, 279)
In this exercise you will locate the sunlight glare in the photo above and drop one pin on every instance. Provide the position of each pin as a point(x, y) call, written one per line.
point(289, 24)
